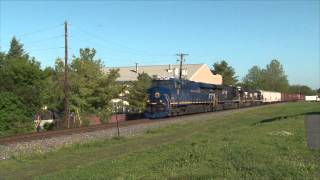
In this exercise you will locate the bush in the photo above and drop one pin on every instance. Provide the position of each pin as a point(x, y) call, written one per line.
point(13, 115)
point(85, 121)
point(105, 115)
point(48, 126)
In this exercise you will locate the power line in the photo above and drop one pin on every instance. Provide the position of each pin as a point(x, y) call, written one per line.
point(40, 30)
point(132, 50)
point(45, 39)
point(44, 49)
point(108, 48)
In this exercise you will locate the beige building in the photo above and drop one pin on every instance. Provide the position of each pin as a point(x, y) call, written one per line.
point(192, 72)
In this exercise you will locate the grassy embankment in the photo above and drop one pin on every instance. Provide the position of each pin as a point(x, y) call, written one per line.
point(265, 142)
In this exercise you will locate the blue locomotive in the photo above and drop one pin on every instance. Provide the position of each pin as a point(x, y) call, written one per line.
point(178, 97)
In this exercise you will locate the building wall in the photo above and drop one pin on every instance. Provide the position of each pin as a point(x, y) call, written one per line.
point(205, 75)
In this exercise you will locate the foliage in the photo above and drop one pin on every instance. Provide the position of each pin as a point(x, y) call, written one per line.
point(275, 77)
point(271, 78)
point(16, 49)
point(306, 90)
point(48, 126)
point(254, 79)
point(52, 93)
point(137, 92)
point(90, 89)
point(14, 116)
point(85, 121)
point(22, 77)
point(227, 72)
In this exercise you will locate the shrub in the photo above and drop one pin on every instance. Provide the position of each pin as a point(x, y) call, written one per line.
point(13, 115)
point(48, 126)
point(85, 121)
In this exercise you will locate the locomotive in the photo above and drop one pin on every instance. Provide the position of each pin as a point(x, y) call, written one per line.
point(175, 97)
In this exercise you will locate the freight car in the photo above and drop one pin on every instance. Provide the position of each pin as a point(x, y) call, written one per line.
point(270, 96)
point(286, 97)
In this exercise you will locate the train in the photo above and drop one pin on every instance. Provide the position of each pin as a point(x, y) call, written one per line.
point(174, 97)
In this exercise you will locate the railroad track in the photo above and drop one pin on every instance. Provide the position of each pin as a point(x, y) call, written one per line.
point(48, 134)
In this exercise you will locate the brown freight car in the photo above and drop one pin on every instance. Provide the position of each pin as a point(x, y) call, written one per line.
point(286, 97)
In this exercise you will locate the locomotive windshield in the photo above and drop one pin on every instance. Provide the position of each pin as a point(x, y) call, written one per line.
point(164, 83)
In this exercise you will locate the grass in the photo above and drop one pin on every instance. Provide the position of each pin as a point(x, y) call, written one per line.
point(267, 142)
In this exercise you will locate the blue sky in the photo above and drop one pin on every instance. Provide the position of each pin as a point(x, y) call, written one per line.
point(245, 33)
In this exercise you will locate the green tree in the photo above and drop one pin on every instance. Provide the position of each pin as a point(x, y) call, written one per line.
point(301, 89)
point(275, 77)
point(137, 92)
point(14, 115)
point(272, 78)
point(254, 79)
point(227, 72)
point(52, 93)
point(91, 90)
point(22, 76)
point(16, 49)
point(21, 83)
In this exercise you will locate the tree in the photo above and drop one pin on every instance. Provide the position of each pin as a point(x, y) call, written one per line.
point(227, 72)
point(275, 77)
point(137, 92)
point(14, 116)
point(21, 76)
point(254, 78)
point(91, 90)
point(301, 89)
point(272, 78)
point(16, 49)
point(52, 94)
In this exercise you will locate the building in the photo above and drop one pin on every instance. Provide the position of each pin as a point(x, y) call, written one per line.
point(192, 72)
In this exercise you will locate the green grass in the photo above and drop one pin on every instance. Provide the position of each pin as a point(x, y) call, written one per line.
point(267, 142)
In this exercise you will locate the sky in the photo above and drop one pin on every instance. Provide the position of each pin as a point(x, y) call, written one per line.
point(244, 33)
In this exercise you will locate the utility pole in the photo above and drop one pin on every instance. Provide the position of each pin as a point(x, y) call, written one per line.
point(181, 60)
point(66, 87)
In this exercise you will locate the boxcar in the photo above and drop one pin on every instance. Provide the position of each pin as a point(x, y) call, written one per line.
point(270, 96)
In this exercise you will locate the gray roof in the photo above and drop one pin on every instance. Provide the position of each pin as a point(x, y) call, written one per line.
point(161, 71)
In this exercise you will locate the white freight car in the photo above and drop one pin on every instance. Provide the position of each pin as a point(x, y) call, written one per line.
point(270, 96)
point(312, 98)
